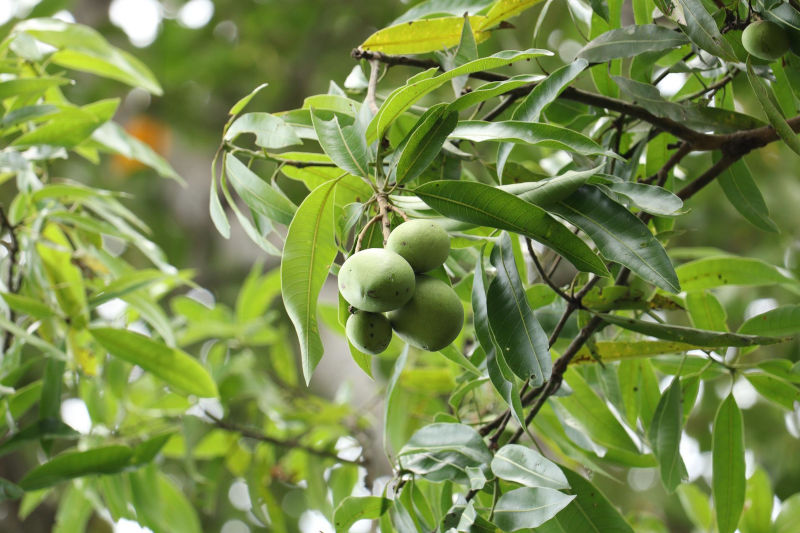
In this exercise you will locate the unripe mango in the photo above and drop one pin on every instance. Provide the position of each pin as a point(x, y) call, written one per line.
point(765, 40)
point(433, 317)
point(424, 244)
point(369, 332)
point(376, 280)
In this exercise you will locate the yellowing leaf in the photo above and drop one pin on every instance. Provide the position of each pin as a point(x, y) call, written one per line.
point(421, 36)
point(505, 9)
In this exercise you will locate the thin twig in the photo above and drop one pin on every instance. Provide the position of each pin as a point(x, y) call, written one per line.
point(12, 284)
point(363, 232)
point(542, 273)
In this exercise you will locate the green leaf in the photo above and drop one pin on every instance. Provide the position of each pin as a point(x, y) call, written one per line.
point(70, 465)
point(112, 137)
point(789, 515)
point(774, 389)
point(534, 103)
point(270, 131)
point(665, 436)
point(526, 507)
point(65, 278)
point(697, 337)
point(696, 504)
point(9, 490)
point(355, 508)
point(82, 48)
point(29, 306)
point(782, 321)
point(421, 84)
point(74, 511)
point(505, 9)
point(711, 272)
point(177, 368)
point(590, 511)
point(727, 457)
point(549, 191)
point(443, 451)
point(257, 193)
point(484, 205)
point(608, 351)
point(705, 311)
point(702, 30)
point(344, 145)
point(631, 41)
point(742, 192)
point(757, 513)
point(619, 235)
point(421, 36)
point(766, 98)
point(516, 331)
point(44, 428)
point(67, 128)
point(491, 90)
point(527, 467)
point(242, 102)
point(528, 133)
point(424, 143)
point(29, 87)
point(308, 254)
point(648, 198)
point(429, 8)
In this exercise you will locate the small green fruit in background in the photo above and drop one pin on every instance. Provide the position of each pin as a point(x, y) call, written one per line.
point(369, 332)
point(433, 318)
point(376, 280)
point(424, 244)
point(765, 40)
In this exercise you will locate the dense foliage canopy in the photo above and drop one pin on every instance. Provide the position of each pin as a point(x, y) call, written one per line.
point(622, 365)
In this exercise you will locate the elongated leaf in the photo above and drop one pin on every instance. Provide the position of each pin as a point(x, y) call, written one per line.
point(443, 451)
point(702, 30)
point(782, 321)
point(631, 41)
point(505, 9)
point(711, 272)
point(528, 133)
point(527, 467)
point(696, 504)
point(756, 517)
point(697, 337)
point(665, 436)
point(549, 191)
point(526, 507)
point(344, 145)
point(428, 8)
point(727, 457)
point(487, 206)
point(307, 257)
point(492, 89)
point(9, 490)
point(705, 311)
point(28, 87)
point(767, 100)
point(775, 389)
point(589, 512)
point(243, 101)
point(177, 368)
point(648, 198)
point(421, 36)
point(65, 278)
point(29, 306)
point(608, 351)
point(112, 137)
point(271, 132)
point(518, 334)
point(106, 460)
point(619, 235)
point(257, 193)
point(67, 128)
point(424, 144)
point(534, 103)
point(421, 84)
point(355, 508)
point(742, 192)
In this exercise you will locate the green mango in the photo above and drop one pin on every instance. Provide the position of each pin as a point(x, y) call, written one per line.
point(433, 317)
point(376, 280)
point(424, 244)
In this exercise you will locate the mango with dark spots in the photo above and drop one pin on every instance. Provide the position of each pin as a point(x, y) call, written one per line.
point(423, 243)
point(765, 40)
point(369, 332)
point(376, 280)
point(433, 317)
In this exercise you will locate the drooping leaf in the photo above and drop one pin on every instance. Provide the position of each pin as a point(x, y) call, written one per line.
point(757, 513)
point(257, 193)
point(484, 205)
point(702, 30)
point(631, 41)
point(590, 511)
point(728, 468)
point(516, 331)
point(177, 368)
point(112, 137)
point(665, 436)
point(344, 145)
point(307, 257)
point(696, 504)
point(619, 235)
point(742, 192)
point(527, 467)
point(527, 507)
point(766, 98)
point(424, 144)
point(534, 103)
point(105, 460)
point(697, 337)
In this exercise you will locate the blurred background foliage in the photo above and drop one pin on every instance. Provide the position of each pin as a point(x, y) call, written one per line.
point(209, 54)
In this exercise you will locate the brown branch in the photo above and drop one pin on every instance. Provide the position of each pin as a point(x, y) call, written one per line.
point(290, 443)
point(363, 232)
point(383, 213)
point(12, 283)
point(661, 176)
point(543, 274)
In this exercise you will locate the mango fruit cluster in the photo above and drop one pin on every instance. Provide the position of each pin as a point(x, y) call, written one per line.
point(390, 291)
